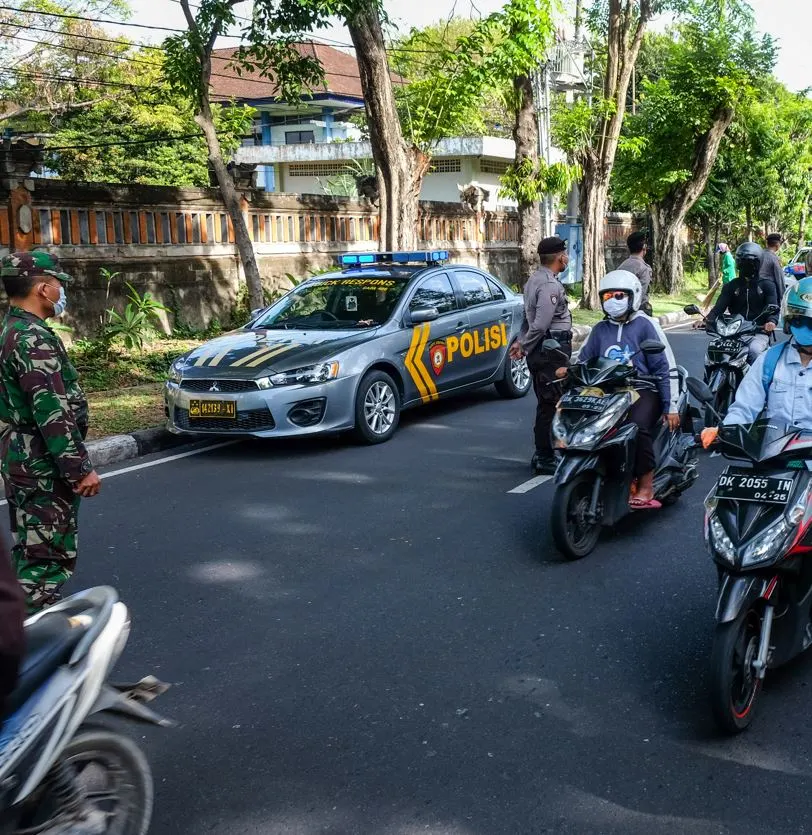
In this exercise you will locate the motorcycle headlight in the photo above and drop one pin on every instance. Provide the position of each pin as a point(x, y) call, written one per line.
point(729, 329)
point(738, 362)
point(559, 431)
point(176, 370)
point(768, 542)
point(320, 373)
point(718, 539)
point(589, 434)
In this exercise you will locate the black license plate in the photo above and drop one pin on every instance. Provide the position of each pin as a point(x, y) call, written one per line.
point(584, 402)
point(225, 409)
point(727, 346)
point(747, 487)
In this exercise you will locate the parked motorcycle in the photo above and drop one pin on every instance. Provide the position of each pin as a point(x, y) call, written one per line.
point(596, 444)
point(758, 530)
point(63, 772)
point(726, 356)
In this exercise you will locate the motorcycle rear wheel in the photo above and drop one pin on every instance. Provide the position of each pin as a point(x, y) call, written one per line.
point(573, 535)
point(734, 684)
point(114, 780)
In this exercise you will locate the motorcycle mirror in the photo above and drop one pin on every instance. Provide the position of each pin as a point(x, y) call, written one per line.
point(699, 390)
point(551, 345)
point(651, 346)
point(692, 310)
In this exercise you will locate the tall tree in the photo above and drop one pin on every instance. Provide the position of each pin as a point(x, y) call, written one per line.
point(270, 41)
point(590, 132)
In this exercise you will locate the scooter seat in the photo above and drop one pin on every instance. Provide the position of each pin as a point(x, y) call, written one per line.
point(49, 644)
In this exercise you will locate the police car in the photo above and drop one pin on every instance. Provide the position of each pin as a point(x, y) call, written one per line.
point(349, 350)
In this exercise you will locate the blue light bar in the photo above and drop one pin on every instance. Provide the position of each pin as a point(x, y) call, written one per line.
point(352, 259)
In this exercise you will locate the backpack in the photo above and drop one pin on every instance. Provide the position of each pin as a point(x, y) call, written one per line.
point(771, 359)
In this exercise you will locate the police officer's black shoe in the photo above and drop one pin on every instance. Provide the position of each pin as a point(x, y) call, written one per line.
point(543, 464)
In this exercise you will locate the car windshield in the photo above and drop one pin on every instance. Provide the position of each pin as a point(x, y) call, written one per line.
point(337, 302)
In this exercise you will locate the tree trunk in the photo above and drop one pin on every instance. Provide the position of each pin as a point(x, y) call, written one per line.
point(400, 168)
point(228, 191)
point(594, 197)
point(526, 137)
point(710, 249)
point(669, 214)
point(802, 223)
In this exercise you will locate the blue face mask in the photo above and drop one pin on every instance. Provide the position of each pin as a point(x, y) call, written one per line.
point(802, 333)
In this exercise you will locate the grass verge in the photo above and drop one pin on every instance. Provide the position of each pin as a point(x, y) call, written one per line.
point(125, 410)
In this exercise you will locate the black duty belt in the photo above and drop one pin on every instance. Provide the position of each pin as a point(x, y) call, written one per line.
point(560, 336)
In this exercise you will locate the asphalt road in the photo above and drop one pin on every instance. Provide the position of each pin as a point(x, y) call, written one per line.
point(384, 640)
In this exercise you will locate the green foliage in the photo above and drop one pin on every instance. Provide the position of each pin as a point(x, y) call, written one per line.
point(136, 323)
point(345, 183)
point(526, 183)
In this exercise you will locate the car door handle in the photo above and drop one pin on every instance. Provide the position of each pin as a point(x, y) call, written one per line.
point(506, 314)
point(460, 326)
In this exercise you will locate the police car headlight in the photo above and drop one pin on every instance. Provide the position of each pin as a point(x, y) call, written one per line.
point(320, 373)
point(264, 383)
point(176, 370)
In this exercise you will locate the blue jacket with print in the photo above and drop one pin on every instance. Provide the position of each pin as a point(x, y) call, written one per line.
point(619, 341)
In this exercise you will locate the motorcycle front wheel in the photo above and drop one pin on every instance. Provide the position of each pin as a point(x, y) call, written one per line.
point(734, 684)
point(574, 535)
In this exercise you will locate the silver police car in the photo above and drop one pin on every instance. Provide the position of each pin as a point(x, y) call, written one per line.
point(349, 350)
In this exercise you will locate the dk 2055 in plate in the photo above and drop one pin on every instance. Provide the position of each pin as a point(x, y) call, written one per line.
point(747, 487)
point(584, 402)
point(224, 409)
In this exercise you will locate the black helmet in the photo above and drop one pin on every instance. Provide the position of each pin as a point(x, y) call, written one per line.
point(748, 260)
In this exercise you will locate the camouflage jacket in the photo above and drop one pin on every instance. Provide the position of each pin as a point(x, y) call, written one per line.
point(41, 403)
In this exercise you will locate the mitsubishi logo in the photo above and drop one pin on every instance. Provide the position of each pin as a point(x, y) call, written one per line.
point(214, 386)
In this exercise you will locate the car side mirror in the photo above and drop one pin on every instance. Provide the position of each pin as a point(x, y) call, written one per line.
point(691, 310)
point(651, 346)
point(423, 314)
point(699, 390)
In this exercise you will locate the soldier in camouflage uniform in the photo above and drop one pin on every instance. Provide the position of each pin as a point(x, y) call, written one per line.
point(45, 465)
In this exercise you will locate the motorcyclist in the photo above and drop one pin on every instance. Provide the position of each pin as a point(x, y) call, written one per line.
point(749, 296)
point(619, 337)
point(779, 385)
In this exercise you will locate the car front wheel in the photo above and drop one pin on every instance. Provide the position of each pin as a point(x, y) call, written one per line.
point(377, 408)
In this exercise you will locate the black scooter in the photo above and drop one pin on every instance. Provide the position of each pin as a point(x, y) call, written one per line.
point(595, 441)
point(726, 356)
point(758, 528)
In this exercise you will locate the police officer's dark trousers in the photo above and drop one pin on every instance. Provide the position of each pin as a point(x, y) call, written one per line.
point(543, 365)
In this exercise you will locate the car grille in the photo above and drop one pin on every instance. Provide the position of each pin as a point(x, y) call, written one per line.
point(251, 420)
point(222, 385)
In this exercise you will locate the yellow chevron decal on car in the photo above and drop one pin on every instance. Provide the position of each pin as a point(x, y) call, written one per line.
point(219, 358)
point(252, 356)
point(414, 364)
point(273, 352)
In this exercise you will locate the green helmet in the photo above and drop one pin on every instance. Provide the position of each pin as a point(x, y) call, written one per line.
point(797, 302)
point(30, 264)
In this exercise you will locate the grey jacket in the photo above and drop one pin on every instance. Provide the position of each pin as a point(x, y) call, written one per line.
point(545, 309)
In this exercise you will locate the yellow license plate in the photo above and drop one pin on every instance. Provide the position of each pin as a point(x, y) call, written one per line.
point(225, 409)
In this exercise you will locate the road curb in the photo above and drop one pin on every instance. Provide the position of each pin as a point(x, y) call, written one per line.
point(116, 448)
point(667, 320)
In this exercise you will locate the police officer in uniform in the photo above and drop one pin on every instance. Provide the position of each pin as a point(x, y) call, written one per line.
point(45, 465)
point(546, 316)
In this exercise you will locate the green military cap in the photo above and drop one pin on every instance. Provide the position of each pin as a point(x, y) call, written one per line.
point(30, 264)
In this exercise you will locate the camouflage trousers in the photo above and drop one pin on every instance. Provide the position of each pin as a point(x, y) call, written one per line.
point(44, 517)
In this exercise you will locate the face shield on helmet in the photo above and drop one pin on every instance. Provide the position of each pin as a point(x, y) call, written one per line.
point(612, 285)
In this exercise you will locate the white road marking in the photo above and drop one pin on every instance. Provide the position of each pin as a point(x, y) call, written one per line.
point(531, 484)
point(158, 461)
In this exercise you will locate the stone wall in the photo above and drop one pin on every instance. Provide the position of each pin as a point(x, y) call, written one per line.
point(179, 243)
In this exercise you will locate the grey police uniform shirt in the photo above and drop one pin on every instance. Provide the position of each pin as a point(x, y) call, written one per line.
point(637, 266)
point(545, 309)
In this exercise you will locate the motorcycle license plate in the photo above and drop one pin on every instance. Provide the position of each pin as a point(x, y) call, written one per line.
point(584, 402)
point(727, 346)
point(222, 409)
point(746, 487)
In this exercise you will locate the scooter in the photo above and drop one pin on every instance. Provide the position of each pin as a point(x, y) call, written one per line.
point(595, 442)
point(62, 771)
point(726, 356)
point(758, 529)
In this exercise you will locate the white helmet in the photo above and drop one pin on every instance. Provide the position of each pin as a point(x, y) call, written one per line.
point(623, 280)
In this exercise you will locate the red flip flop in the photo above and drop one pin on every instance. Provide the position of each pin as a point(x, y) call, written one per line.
point(644, 504)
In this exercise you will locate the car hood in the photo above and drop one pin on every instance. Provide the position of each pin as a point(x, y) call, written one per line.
point(247, 354)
